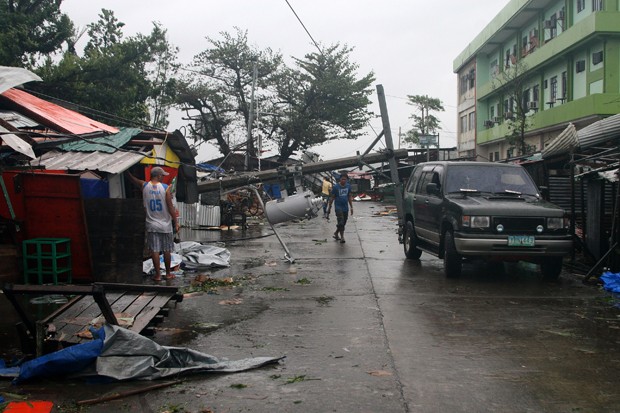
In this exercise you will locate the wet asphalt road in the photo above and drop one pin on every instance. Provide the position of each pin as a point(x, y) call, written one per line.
point(364, 330)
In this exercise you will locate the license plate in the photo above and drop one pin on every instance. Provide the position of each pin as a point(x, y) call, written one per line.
point(521, 240)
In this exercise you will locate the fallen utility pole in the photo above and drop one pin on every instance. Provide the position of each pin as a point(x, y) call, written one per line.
point(308, 168)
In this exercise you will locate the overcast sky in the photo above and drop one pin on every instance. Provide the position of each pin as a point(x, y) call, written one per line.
point(409, 45)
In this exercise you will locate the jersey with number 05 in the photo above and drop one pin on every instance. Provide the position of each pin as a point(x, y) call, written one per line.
point(158, 218)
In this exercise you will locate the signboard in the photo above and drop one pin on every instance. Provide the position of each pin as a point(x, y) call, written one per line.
point(428, 140)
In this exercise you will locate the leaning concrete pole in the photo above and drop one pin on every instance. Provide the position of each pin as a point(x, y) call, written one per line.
point(398, 186)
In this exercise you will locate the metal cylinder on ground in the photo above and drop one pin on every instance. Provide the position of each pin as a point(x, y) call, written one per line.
point(299, 206)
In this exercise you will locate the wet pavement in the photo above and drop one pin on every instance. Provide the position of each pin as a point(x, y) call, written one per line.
point(364, 330)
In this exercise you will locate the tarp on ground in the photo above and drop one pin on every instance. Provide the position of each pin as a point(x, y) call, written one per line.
point(197, 256)
point(126, 355)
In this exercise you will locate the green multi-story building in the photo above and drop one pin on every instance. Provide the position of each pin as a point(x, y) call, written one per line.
point(553, 61)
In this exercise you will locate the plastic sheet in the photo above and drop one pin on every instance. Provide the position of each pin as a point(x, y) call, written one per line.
point(611, 281)
point(198, 256)
point(122, 354)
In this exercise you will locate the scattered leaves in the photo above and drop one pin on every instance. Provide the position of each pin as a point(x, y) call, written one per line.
point(324, 300)
point(203, 283)
point(238, 386)
point(303, 281)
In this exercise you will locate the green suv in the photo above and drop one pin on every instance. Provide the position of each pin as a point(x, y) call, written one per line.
point(482, 210)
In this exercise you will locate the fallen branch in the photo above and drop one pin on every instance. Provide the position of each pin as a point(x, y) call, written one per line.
point(115, 396)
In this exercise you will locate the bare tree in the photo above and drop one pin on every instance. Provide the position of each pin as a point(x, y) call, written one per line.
point(513, 84)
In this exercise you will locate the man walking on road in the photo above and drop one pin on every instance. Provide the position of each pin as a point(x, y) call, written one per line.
point(160, 218)
point(342, 198)
point(325, 193)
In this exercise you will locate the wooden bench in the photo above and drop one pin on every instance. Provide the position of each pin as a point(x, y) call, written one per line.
point(142, 305)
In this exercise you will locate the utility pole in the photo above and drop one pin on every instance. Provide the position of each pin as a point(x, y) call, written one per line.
point(398, 186)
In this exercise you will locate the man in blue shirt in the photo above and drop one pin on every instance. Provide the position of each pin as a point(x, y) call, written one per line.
point(342, 199)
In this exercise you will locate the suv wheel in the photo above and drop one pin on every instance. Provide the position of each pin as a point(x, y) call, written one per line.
point(411, 242)
point(452, 262)
point(551, 268)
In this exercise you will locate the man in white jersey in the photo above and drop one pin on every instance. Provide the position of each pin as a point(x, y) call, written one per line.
point(160, 217)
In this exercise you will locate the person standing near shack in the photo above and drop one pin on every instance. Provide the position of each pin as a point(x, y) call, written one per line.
point(342, 199)
point(161, 218)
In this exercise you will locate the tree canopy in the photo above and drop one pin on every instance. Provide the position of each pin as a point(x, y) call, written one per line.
point(317, 100)
point(235, 93)
point(117, 81)
point(424, 122)
point(31, 29)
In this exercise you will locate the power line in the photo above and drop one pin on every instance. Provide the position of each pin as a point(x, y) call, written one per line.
point(304, 26)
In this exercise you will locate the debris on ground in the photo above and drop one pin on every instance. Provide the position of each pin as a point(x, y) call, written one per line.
point(121, 354)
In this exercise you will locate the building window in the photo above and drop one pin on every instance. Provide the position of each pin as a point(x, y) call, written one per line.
point(580, 66)
point(564, 85)
point(492, 112)
point(597, 57)
point(597, 5)
point(494, 69)
point(535, 93)
point(497, 156)
point(472, 121)
point(463, 123)
point(472, 78)
point(581, 4)
point(491, 156)
point(554, 88)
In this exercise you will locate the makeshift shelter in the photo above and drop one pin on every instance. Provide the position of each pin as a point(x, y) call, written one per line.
point(584, 180)
point(73, 187)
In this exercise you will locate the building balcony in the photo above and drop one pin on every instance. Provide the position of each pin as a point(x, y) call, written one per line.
point(590, 107)
point(557, 48)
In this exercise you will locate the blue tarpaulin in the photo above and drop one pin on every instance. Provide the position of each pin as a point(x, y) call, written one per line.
point(611, 281)
point(121, 354)
point(210, 168)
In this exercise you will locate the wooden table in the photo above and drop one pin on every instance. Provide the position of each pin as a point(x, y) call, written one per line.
point(142, 305)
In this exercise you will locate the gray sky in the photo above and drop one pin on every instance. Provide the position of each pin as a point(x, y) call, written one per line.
point(409, 45)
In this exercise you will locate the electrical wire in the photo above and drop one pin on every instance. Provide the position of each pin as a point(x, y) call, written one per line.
point(304, 26)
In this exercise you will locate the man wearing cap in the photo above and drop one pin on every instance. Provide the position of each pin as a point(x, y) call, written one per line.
point(160, 218)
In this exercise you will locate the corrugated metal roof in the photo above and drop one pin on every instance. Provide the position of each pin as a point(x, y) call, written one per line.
point(563, 143)
point(113, 163)
point(16, 143)
point(55, 116)
point(15, 76)
point(601, 131)
point(107, 144)
point(17, 120)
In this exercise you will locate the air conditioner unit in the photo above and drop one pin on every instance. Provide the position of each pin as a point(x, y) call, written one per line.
point(533, 105)
point(550, 24)
point(497, 119)
point(508, 115)
point(560, 15)
point(489, 123)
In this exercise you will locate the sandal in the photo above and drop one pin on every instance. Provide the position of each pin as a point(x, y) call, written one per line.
point(342, 241)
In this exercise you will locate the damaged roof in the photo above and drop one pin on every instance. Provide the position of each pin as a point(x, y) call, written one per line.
point(113, 163)
point(52, 115)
